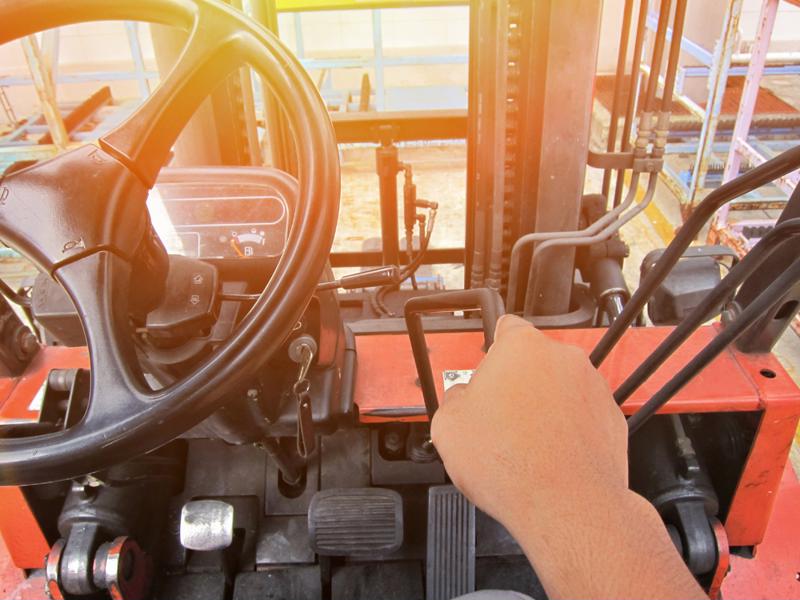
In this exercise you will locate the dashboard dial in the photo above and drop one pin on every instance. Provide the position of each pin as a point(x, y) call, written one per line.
point(248, 244)
point(236, 213)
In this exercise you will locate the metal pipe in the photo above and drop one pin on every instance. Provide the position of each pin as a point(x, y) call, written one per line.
point(633, 87)
point(752, 83)
point(682, 99)
point(780, 58)
point(377, 48)
point(658, 55)
point(278, 142)
point(766, 300)
point(13, 296)
point(614, 305)
point(471, 225)
point(497, 139)
point(708, 307)
point(619, 78)
point(541, 236)
point(606, 232)
point(587, 241)
point(674, 55)
point(755, 178)
point(289, 471)
point(132, 31)
point(717, 82)
point(387, 166)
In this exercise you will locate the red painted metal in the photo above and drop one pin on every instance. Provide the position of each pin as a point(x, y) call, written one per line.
point(775, 570)
point(18, 527)
point(752, 503)
point(734, 382)
point(20, 403)
point(20, 530)
point(386, 376)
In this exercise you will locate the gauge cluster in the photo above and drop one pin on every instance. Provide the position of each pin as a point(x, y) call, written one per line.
point(218, 213)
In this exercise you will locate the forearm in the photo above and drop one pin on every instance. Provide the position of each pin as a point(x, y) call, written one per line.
point(603, 545)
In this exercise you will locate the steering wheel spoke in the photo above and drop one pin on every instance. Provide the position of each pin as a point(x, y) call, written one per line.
point(99, 286)
point(143, 141)
point(70, 206)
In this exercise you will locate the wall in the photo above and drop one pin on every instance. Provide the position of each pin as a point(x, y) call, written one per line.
point(703, 25)
point(442, 31)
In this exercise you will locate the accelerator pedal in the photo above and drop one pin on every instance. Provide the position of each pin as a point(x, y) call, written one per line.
point(355, 521)
point(450, 568)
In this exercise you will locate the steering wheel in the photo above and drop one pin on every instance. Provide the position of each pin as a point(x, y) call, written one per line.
point(81, 217)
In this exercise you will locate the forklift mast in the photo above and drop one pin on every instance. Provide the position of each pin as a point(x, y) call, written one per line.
point(531, 89)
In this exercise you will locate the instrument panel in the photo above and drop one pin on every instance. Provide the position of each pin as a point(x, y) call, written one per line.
point(222, 212)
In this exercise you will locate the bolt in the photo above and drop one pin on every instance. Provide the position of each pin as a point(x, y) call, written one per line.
point(252, 393)
point(393, 441)
point(27, 343)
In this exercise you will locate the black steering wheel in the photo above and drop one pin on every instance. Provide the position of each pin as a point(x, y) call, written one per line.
point(81, 217)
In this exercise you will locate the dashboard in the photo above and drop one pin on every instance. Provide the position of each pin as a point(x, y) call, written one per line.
point(223, 212)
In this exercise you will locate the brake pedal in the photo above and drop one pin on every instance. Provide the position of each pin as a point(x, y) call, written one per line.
point(450, 570)
point(355, 522)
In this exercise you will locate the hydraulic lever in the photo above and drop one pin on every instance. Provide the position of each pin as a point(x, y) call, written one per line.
point(488, 301)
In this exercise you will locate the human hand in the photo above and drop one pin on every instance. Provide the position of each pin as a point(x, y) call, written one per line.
point(536, 441)
point(537, 422)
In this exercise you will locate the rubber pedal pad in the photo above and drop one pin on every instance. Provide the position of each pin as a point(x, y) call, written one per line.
point(355, 521)
point(450, 563)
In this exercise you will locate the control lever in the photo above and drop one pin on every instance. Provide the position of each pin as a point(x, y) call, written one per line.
point(388, 275)
point(488, 301)
point(379, 277)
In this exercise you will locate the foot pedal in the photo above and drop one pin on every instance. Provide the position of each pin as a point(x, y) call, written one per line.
point(355, 522)
point(206, 525)
point(450, 568)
